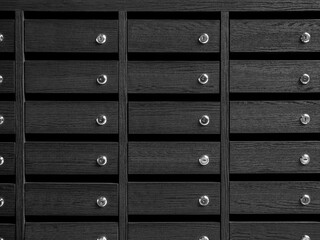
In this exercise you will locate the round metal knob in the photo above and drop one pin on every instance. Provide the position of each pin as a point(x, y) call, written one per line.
point(305, 200)
point(204, 160)
point(102, 202)
point(1, 238)
point(1, 79)
point(204, 120)
point(1, 202)
point(305, 79)
point(204, 38)
point(305, 237)
point(203, 238)
point(305, 159)
point(305, 37)
point(1, 37)
point(1, 119)
point(203, 79)
point(102, 160)
point(102, 79)
point(305, 119)
point(1, 160)
point(101, 120)
point(102, 238)
point(101, 38)
point(204, 200)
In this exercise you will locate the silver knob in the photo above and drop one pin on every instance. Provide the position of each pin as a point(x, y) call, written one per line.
point(1, 202)
point(101, 120)
point(102, 201)
point(204, 200)
point(203, 238)
point(305, 159)
point(204, 38)
point(1, 119)
point(305, 200)
point(102, 79)
point(203, 79)
point(1, 160)
point(204, 160)
point(204, 120)
point(102, 160)
point(1, 79)
point(102, 238)
point(1, 37)
point(305, 37)
point(101, 38)
point(1, 238)
point(305, 79)
point(305, 237)
point(305, 119)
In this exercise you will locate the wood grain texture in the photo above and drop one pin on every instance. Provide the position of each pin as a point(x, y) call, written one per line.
point(172, 198)
point(70, 199)
point(70, 230)
point(173, 117)
point(172, 77)
point(7, 30)
point(268, 230)
point(7, 192)
point(70, 117)
point(8, 112)
point(70, 76)
point(173, 157)
point(65, 158)
point(8, 74)
point(279, 35)
point(70, 35)
point(7, 231)
point(172, 35)
point(273, 116)
point(176, 230)
point(7, 151)
point(273, 197)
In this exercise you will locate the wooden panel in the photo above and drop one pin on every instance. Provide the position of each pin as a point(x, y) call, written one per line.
point(273, 197)
point(172, 198)
point(7, 231)
point(70, 76)
point(70, 117)
point(7, 30)
point(279, 35)
point(173, 117)
point(7, 73)
point(172, 77)
point(70, 199)
point(7, 111)
point(273, 76)
point(7, 192)
point(172, 35)
point(274, 157)
point(70, 230)
point(274, 116)
point(173, 157)
point(65, 158)
point(177, 231)
point(70, 35)
point(7, 151)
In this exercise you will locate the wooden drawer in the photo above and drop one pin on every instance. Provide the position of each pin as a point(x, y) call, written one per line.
point(7, 31)
point(274, 76)
point(274, 116)
point(174, 158)
point(71, 117)
point(279, 230)
point(173, 230)
point(274, 197)
point(70, 230)
point(279, 35)
point(72, 199)
point(173, 77)
point(8, 118)
point(70, 35)
point(7, 193)
point(274, 157)
point(7, 231)
point(71, 76)
point(173, 117)
point(173, 35)
point(7, 78)
point(7, 158)
point(65, 158)
point(172, 198)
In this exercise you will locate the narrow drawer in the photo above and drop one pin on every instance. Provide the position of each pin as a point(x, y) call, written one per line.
point(72, 117)
point(73, 199)
point(174, 118)
point(178, 231)
point(7, 200)
point(71, 76)
point(274, 197)
point(174, 158)
point(274, 157)
point(71, 230)
point(281, 230)
point(279, 35)
point(7, 78)
point(66, 158)
point(7, 231)
point(71, 35)
point(7, 35)
point(173, 198)
point(275, 117)
point(173, 77)
point(7, 158)
point(7, 118)
point(173, 35)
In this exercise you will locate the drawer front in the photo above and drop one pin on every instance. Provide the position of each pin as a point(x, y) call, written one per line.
point(69, 230)
point(173, 35)
point(279, 230)
point(274, 117)
point(7, 118)
point(274, 157)
point(71, 35)
point(173, 117)
point(7, 158)
point(71, 76)
point(77, 199)
point(72, 117)
point(271, 76)
point(174, 158)
point(71, 158)
point(274, 35)
point(7, 200)
point(7, 231)
point(173, 77)
point(7, 32)
point(274, 197)
point(178, 231)
point(173, 198)
point(7, 79)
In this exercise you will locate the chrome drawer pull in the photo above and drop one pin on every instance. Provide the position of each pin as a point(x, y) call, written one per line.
point(101, 39)
point(1, 37)
point(1, 79)
point(102, 160)
point(101, 120)
point(305, 159)
point(203, 79)
point(102, 202)
point(305, 37)
point(204, 200)
point(305, 79)
point(204, 38)
point(1, 160)
point(1, 202)
point(1, 119)
point(102, 238)
point(305, 200)
point(203, 238)
point(305, 119)
point(204, 160)
point(204, 120)
point(305, 237)
point(102, 79)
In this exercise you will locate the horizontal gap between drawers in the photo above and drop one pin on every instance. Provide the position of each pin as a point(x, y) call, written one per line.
point(7, 15)
point(275, 15)
point(72, 137)
point(70, 56)
point(71, 219)
point(174, 137)
point(274, 56)
point(173, 56)
point(73, 178)
point(7, 97)
point(174, 178)
point(275, 177)
point(274, 96)
point(71, 97)
point(174, 97)
point(7, 138)
point(275, 137)
point(274, 217)
point(7, 56)
point(70, 15)
point(173, 15)
point(173, 218)
point(9, 220)
point(7, 179)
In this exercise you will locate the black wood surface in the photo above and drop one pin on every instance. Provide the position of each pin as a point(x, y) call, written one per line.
point(7, 30)
point(7, 192)
point(7, 72)
point(7, 151)
point(8, 112)
point(7, 231)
